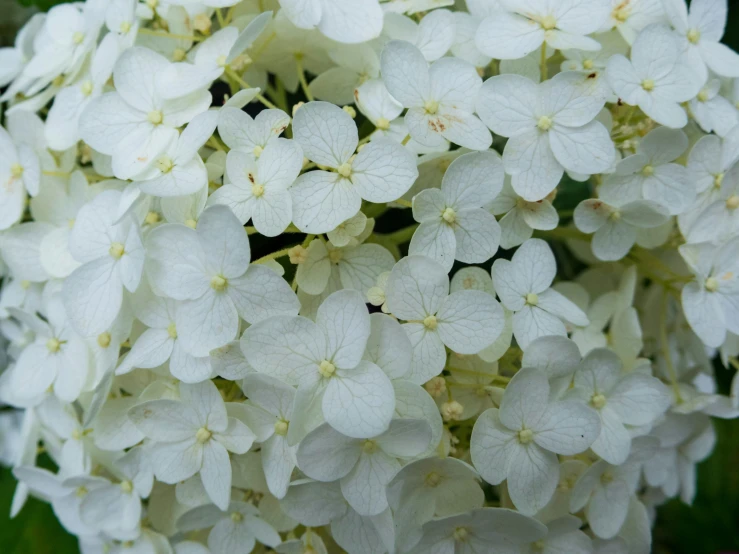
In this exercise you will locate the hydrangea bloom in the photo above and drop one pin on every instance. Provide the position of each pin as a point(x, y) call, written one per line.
point(366, 276)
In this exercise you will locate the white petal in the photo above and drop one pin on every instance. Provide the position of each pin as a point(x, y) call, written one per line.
point(469, 321)
point(326, 133)
point(360, 402)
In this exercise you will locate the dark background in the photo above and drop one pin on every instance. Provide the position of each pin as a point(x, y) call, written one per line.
point(710, 525)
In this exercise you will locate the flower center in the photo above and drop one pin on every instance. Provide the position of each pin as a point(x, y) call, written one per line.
point(281, 427)
point(236, 517)
point(718, 180)
point(606, 478)
point(703, 96)
point(125, 27)
point(191, 223)
point(78, 37)
point(178, 55)
point(548, 23)
point(326, 369)
point(104, 340)
point(694, 36)
point(621, 13)
point(432, 479)
point(369, 446)
point(588, 64)
point(151, 218)
point(116, 250)
point(431, 107)
point(16, 170)
point(544, 123)
point(53, 345)
point(221, 61)
point(430, 322)
point(598, 401)
point(615, 215)
point(532, 299)
point(257, 190)
point(80, 491)
point(203, 435)
point(648, 170)
point(335, 256)
point(460, 534)
point(711, 284)
point(165, 164)
point(172, 330)
point(732, 202)
point(87, 88)
point(155, 117)
point(127, 487)
point(257, 151)
point(218, 283)
point(383, 124)
point(345, 169)
point(525, 436)
point(449, 215)
point(648, 85)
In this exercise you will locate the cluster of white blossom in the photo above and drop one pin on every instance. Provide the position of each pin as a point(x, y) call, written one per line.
point(499, 375)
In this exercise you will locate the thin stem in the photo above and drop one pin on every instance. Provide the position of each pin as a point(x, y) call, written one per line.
point(665, 348)
point(403, 203)
point(173, 36)
point(273, 255)
point(302, 79)
point(543, 62)
point(243, 84)
point(219, 16)
point(406, 140)
point(403, 235)
point(63, 174)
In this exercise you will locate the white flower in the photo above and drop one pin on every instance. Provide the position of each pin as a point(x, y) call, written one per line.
point(68, 34)
point(235, 528)
point(179, 170)
point(381, 172)
point(20, 172)
point(717, 221)
point(112, 258)
point(62, 122)
point(325, 360)
point(712, 111)
point(257, 188)
point(519, 29)
point(708, 163)
point(208, 270)
point(700, 32)
point(193, 435)
point(604, 491)
point(480, 530)
point(520, 441)
point(211, 58)
point(655, 79)
point(13, 58)
point(356, 64)
point(160, 342)
point(433, 35)
point(358, 267)
point(135, 124)
point(710, 302)
point(240, 132)
point(523, 286)
point(621, 399)
point(563, 535)
point(269, 411)
point(58, 356)
point(632, 16)
point(348, 21)
point(652, 174)
point(552, 128)
point(453, 223)
point(521, 216)
point(440, 98)
point(616, 224)
point(465, 321)
point(364, 466)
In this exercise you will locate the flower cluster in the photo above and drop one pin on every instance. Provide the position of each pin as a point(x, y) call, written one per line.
point(308, 275)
